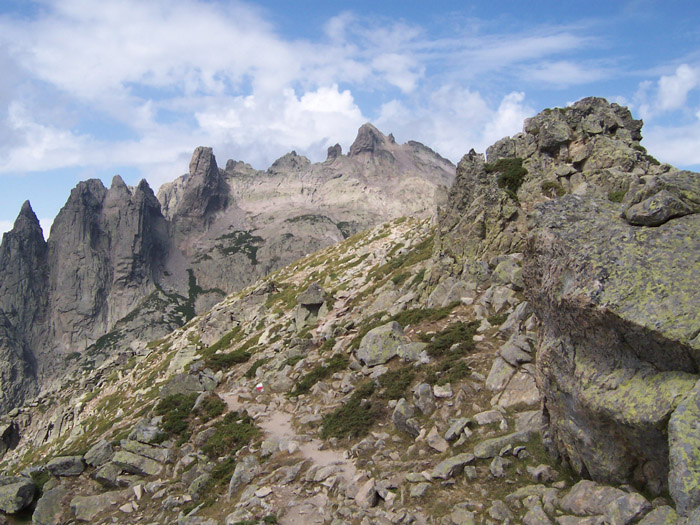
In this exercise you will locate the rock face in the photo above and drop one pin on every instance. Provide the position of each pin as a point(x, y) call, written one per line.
point(587, 146)
point(105, 252)
point(609, 264)
point(619, 346)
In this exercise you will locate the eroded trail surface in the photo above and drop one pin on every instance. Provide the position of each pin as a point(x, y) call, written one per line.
point(277, 425)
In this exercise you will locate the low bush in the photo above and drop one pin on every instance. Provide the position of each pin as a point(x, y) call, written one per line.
point(224, 361)
point(176, 410)
point(320, 372)
point(234, 432)
point(459, 333)
point(354, 418)
point(395, 382)
point(211, 407)
point(511, 174)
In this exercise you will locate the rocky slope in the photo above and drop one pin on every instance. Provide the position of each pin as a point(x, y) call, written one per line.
point(120, 265)
point(475, 371)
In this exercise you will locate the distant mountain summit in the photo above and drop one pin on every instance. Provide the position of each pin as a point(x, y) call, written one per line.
point(122, 264)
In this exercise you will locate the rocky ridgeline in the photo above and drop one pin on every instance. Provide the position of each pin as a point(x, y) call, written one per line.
point(123, 266)
point(532, 364)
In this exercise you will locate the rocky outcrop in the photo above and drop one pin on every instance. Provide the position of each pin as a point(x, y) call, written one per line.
point(590, 146)
point(105, 252)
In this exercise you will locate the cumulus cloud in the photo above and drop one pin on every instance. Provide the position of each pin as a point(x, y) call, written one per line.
point(673, 89)
point(456, 119)
point(162, 77)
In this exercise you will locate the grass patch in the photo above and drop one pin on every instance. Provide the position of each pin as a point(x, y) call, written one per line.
point(418, 278)
point(399, 279)
point(319, 373)
point(226, 340)
point(511, 174)
point(234, 432)
point(450, 370)
point(617, 195)
point(250, 373)
point(395, 382)
point(459, 333)
point(354, 418)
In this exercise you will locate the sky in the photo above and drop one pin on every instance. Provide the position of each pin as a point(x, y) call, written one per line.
point(90, 89)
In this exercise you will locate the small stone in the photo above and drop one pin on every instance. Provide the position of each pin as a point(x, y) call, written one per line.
point(419, 490)
point(500, 511)
point(443, 391)
point(263, 492)
point(542, 473)
point(498, 467)
point(436, 441)
point(456, 428)
point(452, 466)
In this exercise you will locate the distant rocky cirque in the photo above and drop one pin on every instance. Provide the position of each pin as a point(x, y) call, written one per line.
point(610, 262)
point(121, 264)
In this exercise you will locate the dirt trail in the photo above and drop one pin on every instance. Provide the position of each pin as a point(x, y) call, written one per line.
point(278, 425)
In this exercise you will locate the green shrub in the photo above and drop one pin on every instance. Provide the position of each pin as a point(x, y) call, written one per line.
point(395, 382)
point(511, 174)
point(227, 340)
point(497, 319)
point(399, 279)
point(419, 315)
point(450, 370)
point(418, 278)
point(223, 361)
point(222, 472)
point(552, 188)
point(320, 372)
point(176, 410)
point(458, 333)
point(293, 360)
point(234, 432)
point(617, 195)
point(211, 407)
point(354, 418)
point(250, 373)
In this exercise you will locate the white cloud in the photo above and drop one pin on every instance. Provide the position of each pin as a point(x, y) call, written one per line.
point(563, 73)
point(456, 119)
point(175, 75)
point(673, 89)
point(677, 145)
point(5, 226)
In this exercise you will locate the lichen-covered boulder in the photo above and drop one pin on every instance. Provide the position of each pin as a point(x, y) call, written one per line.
point(619, 346)
point(66, 466)
point(381, 344)
point(684, 453)
point(16, 493)
point(99, 454)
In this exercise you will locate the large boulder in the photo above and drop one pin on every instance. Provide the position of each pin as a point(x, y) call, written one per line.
point(382, 344)
point(50, 507)
point(311, 305)
point(619, 346)
point(16, 493)
point(66, 466)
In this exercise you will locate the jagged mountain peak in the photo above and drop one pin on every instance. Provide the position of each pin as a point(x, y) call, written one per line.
point(289, 164)
point(369, 139)
point(26, 219)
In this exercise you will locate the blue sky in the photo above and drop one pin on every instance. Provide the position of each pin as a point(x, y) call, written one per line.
point(91, 89)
